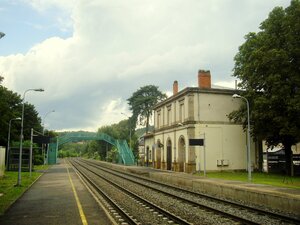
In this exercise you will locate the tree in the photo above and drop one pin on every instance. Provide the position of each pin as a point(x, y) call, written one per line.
point(31, 120)
point(10, 108)
point(268, 66)
point(117, 131)
point(142, 102)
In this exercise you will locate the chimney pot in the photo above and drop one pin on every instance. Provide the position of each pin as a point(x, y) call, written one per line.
point(204, 79)
point(175, 87)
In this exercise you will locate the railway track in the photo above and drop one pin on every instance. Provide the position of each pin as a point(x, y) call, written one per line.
point(156, 214)
point(236, 212)
point(117, 212)
point(219, 205)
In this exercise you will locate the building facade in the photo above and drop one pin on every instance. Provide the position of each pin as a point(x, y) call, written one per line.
point(197, 114)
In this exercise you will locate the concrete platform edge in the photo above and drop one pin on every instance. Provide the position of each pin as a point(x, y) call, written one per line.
point(235, 192)
point(261, 195)
point(23, 193)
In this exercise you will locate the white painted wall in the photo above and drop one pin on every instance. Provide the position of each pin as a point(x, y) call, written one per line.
point(2, 160)
point(214, 106)
point(223, 142)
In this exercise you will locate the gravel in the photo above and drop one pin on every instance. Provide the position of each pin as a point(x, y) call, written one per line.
point(195, 215)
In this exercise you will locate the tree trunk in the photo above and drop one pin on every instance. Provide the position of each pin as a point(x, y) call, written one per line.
point(260, 155)
point(147, 124)
point(288, 159)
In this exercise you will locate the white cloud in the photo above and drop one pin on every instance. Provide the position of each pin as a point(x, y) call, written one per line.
point(110, 111)
point(119, 46)
point(226, 84)
point(46, 4)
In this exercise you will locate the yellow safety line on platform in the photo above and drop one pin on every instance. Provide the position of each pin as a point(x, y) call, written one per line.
point(82, 216)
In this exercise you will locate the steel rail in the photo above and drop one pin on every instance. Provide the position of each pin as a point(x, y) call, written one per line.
point(169, 215)
point(208, 208)
point(127, 218)
point(254, 210)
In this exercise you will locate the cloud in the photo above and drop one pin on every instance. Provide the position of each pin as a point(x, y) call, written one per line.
point(117, 47)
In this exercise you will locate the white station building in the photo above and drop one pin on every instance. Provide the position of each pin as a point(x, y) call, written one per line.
point(192, 131)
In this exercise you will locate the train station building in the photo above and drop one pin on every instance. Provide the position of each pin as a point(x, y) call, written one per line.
point(192, 131)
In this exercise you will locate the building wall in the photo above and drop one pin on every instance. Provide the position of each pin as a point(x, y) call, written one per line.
point(193, 114)
point(225, 146)
point(2, 161)
point(149, 144)
point(214, 107)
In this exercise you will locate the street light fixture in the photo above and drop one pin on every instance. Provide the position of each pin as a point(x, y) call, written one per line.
point(45, 118)
point(129, 128)
point(248, 135)
point(8, 141)
point(2, 35)
point(21, 135)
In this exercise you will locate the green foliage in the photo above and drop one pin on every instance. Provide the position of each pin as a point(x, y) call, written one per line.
point(11, 192)
point(73, 150)
point(141, 131)
point(100, 149)
point(37, 151)
point(50, 133)
point(112, 155)
point(258, 178)
point(10, 108)
point(38, 158)
point(119, 131)
point(268, 66)
point(142, 102)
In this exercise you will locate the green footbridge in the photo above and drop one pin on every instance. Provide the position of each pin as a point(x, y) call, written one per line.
point(125, 154)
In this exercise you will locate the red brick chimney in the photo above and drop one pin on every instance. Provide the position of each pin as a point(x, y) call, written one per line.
point(175, 87)
point(204, 79)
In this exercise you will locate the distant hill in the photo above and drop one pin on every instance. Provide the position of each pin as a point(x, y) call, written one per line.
point(68, 132)
point(139, 132)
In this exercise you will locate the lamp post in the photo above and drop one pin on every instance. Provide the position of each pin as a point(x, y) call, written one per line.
point(43, 151)
point(248, 135)
point(21, 135)
point(129, 129)
point(45, 118)
point(8, 141)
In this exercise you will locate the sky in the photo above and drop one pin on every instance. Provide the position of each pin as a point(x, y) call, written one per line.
point(91, 55)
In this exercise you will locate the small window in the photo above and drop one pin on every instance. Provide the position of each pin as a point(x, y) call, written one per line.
point(169, 116)
point(158, 119)
point(181, 112)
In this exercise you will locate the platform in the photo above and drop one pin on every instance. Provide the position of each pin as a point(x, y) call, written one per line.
point(284, 200)
point(52, 200)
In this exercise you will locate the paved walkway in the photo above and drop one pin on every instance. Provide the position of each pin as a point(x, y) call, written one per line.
point(58, 197)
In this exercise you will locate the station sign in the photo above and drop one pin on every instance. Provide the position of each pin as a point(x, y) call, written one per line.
point(196, 142)
point(41, 139)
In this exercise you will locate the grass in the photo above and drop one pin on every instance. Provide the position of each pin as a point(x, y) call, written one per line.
point(258, 178)
point(9, 193)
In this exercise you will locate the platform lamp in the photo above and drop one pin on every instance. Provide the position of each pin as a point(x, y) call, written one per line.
point(248, 136)
point(2, 35)
point(45, 118)
point(21, 135)
point(8, 141)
